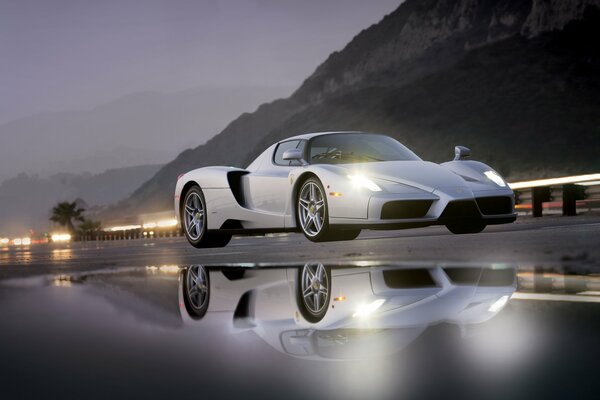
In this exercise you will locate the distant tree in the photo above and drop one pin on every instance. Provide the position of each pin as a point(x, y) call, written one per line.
point(65, 213)
point(89, 227)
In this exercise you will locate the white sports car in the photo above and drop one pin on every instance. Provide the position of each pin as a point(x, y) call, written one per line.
point(331, 185)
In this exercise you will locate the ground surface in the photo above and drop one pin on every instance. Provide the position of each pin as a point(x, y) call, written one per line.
point(124, 334)
point(106, 320)
point(548, 241)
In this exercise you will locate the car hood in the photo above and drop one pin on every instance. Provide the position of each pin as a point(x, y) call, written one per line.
point(424, 175)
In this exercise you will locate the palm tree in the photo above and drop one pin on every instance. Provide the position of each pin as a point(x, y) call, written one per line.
point(64, 213)
point(89, 228)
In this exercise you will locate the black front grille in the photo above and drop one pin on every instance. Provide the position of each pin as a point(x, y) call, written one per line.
point(486, 277)
point(408, 278)
point(497, 277)
point(463, 276)
point(495, 205)
point(405, 209)
point(462, 209)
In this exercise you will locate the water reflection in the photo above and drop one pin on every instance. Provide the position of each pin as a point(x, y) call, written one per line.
point(320, 312)
point(61, 254)
point(267, 331)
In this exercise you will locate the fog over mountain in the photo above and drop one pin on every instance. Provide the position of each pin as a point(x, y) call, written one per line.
point(518, 81)
point(142, 128)
point(179, 70)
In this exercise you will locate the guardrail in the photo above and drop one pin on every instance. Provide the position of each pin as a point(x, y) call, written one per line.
point(580, 191)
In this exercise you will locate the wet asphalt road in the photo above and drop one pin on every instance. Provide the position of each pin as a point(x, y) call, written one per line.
point(102, 323)
point(121, 335)
point(571, 241)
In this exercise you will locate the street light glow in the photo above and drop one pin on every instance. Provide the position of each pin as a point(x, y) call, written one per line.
point(61, 237)
point(166, 223)
point(555, 181)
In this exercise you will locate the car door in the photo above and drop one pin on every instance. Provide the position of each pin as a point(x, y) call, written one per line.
point(268, 188)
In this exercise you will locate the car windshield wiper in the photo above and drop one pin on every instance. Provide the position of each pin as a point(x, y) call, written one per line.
point(326, 154)
point(341, 156)
point(361, 156)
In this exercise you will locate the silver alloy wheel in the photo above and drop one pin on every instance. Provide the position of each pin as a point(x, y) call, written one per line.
point(197, 286)
point(311, 204)
point(314, 285)
point(194, 216)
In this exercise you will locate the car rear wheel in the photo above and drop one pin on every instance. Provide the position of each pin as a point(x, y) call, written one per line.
point(314, 289)
point(461, 228)
point(196, 290)
point(193, 217)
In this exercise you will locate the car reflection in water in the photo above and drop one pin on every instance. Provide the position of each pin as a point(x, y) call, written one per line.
point(320, 312)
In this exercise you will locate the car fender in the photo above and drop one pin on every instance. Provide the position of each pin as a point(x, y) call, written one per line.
point(473, 172)
point(343, 199)
point(206, 178)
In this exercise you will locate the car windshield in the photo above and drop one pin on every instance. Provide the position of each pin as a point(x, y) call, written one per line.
point(347, 148)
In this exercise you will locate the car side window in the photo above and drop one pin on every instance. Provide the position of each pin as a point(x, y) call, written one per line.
point(282, 148)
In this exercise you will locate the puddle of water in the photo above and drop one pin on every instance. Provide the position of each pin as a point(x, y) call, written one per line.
point(350, 330)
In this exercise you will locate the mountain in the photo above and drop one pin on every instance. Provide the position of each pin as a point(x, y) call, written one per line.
point(517, 81)
point(27, 199)
point(142, 128)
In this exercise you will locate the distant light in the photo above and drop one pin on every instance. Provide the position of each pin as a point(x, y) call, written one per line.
point(124, 228)
point(499, 304)
point(151, 233)
point(61, 237)
point(494, 177)
point(169, 269)
point(555, 181)
point(149, 225)
point(25, 241)
point(591, 183)
point(368, 309)
point(166, 223)
point(145, 233)
point(4, 240)
point(17, 242)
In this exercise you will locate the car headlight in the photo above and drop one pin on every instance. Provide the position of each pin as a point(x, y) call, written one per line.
point(498, 304)
point(495, 177)
point(364, 310)
point(364, 182)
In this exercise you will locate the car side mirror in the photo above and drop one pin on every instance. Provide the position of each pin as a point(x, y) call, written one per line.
point(461, 153)
point(294, 155)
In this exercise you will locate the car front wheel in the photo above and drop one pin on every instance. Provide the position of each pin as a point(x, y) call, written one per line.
point(312, 210)
point(461, 228)
point(314, 291)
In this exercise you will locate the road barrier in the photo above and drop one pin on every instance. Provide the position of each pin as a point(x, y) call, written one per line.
point(580, 191)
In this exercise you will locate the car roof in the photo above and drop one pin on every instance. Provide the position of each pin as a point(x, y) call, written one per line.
point(307, 136)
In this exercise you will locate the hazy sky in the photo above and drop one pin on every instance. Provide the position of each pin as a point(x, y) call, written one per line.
point(73, 54)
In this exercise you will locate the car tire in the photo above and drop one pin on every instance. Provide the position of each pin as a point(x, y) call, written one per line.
point(196, 290)
point(314, 291)
point(461, 228)
point(312, 211)
point(194, 223)
point(344, 234)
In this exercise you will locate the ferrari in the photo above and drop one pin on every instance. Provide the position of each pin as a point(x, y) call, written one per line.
point(331, 185)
